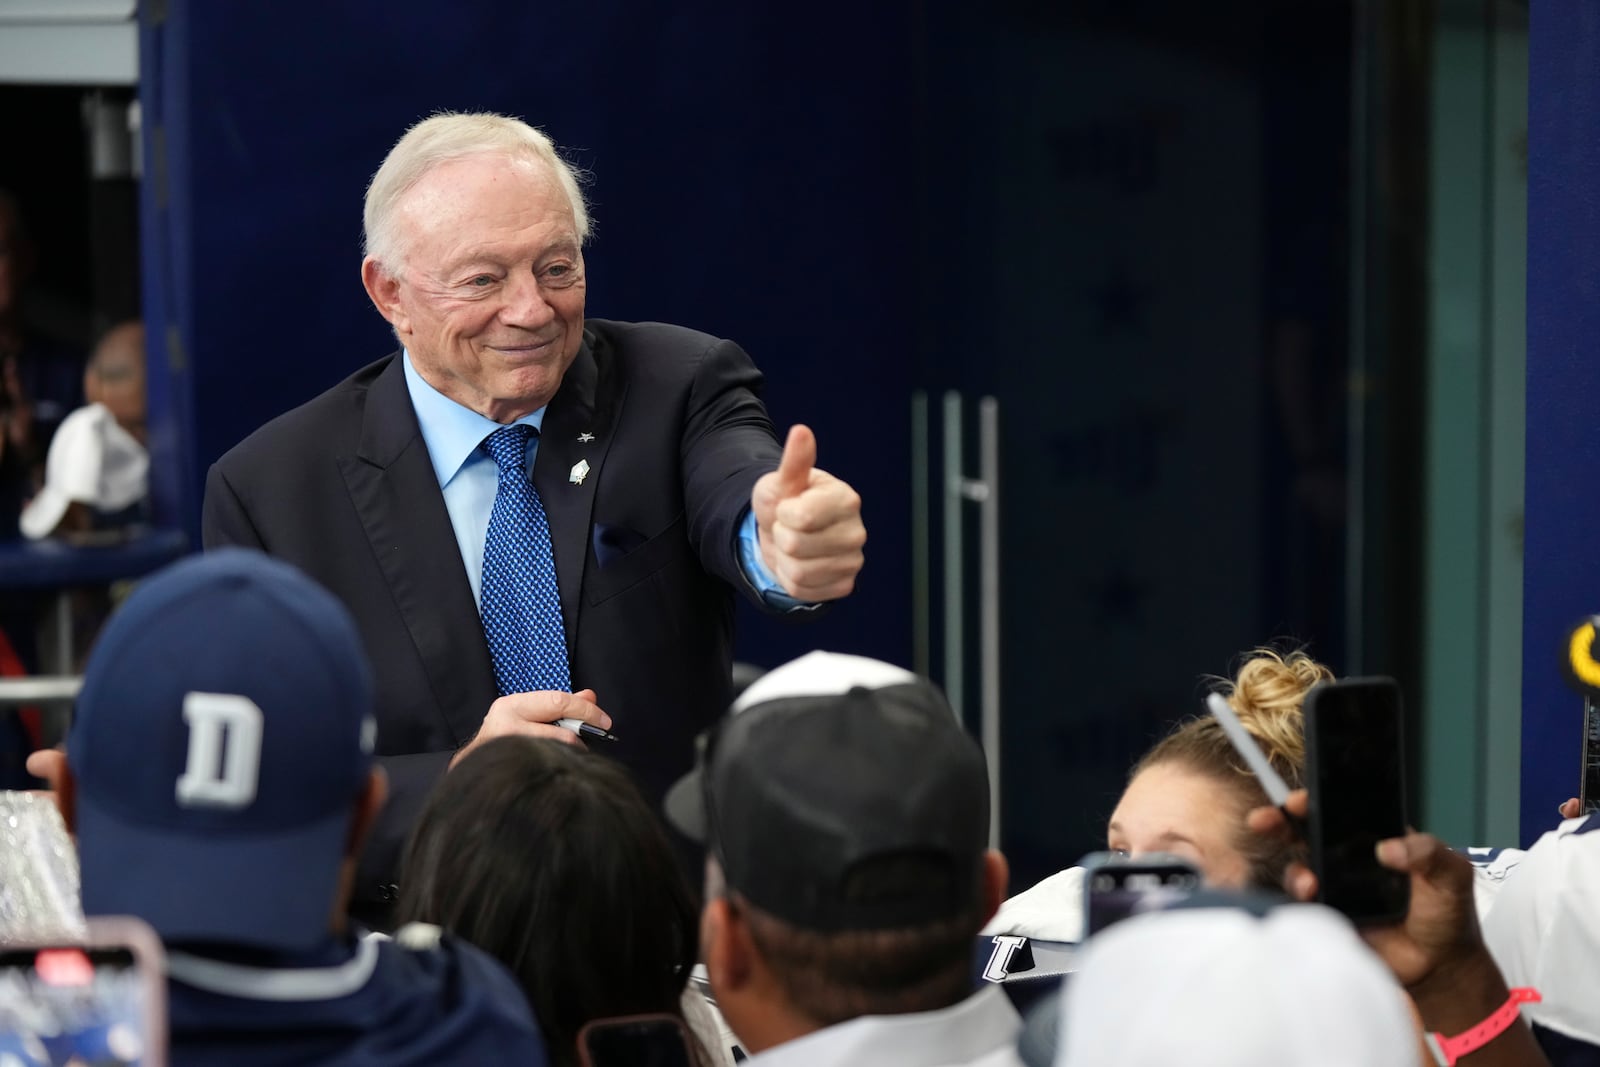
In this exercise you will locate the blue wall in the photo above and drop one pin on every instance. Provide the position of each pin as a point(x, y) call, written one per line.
point(1562, 553)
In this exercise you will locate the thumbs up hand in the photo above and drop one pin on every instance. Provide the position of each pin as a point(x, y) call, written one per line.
point(809, 524)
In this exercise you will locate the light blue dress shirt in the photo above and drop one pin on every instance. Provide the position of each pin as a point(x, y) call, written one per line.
point(469, 479)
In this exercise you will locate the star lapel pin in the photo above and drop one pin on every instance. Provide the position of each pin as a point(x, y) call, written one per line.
point(580, 471)
point(585, 438)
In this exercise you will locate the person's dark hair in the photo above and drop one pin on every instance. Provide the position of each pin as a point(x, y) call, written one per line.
point(835, 977)
point(549, 859)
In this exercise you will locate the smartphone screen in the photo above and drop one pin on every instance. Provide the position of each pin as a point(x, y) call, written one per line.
point(1117, 890)
point(1355, 769)
point(656, 1041)
point(74, 1004)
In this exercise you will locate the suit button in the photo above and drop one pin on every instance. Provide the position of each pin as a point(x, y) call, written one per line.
point(388, 893)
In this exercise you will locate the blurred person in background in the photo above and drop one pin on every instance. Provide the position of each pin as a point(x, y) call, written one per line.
point(845, 814)
point(41, 379)
point(96, 472)
point(547, 858)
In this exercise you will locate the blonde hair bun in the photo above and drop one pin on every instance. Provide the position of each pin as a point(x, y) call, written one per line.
point(1268, 692)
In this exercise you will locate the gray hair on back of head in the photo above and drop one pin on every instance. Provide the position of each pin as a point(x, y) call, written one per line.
point(444, 138)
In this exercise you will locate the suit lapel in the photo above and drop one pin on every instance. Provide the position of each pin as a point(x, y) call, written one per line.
point(577, 430)
point(395, 491)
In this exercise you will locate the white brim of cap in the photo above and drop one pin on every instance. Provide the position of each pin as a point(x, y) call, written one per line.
point(44, 513)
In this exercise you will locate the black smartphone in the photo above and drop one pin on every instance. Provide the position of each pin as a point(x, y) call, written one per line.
point(1115, 887)
point(1582, 669)
point(635, 1041)
point(99, 999)
point(1355, 772)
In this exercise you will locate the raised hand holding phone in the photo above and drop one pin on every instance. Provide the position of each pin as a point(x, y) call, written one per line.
point(1354, 770)
point(97, 997)
point(1355, 762)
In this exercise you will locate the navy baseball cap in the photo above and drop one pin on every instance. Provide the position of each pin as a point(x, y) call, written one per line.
point(222, 737)
point(840, 793)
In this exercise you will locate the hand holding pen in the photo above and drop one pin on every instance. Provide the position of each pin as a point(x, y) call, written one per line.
point(558, 716)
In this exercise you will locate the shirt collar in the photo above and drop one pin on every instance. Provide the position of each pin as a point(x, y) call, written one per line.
point(451, 432)
point(984, 1025)
point(321, 982)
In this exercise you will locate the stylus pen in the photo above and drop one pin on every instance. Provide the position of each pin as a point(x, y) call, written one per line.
point(1271, 781)
point(583, 729)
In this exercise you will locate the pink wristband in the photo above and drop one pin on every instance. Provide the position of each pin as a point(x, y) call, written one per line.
point(1448, 1050)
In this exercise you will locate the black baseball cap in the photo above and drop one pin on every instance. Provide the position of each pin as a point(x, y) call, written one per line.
point(840, 793)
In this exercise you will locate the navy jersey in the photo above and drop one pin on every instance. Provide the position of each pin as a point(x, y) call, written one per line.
point(380, 1004)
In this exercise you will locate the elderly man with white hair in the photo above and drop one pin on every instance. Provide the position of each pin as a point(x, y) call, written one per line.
point(538, 520)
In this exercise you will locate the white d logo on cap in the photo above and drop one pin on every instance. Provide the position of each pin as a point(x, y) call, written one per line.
point(208, 781)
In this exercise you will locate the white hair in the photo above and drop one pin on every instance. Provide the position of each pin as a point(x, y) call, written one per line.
point(450, 136)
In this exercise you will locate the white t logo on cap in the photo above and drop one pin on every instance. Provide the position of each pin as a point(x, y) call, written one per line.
point(209, 780)
point(1005, 946)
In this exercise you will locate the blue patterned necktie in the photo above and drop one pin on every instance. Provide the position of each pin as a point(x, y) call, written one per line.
point(520, 601)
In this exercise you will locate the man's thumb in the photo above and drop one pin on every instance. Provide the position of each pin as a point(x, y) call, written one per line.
point(799, 456)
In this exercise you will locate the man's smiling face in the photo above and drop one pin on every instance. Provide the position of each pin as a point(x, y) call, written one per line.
point(489, 295)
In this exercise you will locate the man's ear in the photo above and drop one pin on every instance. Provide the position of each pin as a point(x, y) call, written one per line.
point(383, 288)
point(725, 943)
point(996, 875)
point(366, 811)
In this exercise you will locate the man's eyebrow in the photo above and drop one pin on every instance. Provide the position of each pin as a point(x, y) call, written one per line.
point(470, 263)
point(567, 246)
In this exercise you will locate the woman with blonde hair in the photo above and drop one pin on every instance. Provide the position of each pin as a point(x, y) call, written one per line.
point(1188, 796)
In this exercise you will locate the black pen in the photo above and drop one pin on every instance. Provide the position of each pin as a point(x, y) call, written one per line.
point(583, 729)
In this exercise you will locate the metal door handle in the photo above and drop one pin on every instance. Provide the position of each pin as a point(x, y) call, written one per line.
point(960, 490)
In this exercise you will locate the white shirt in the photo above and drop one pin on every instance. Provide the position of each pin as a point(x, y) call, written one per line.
point(1544, 929)
point(981, 1031)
